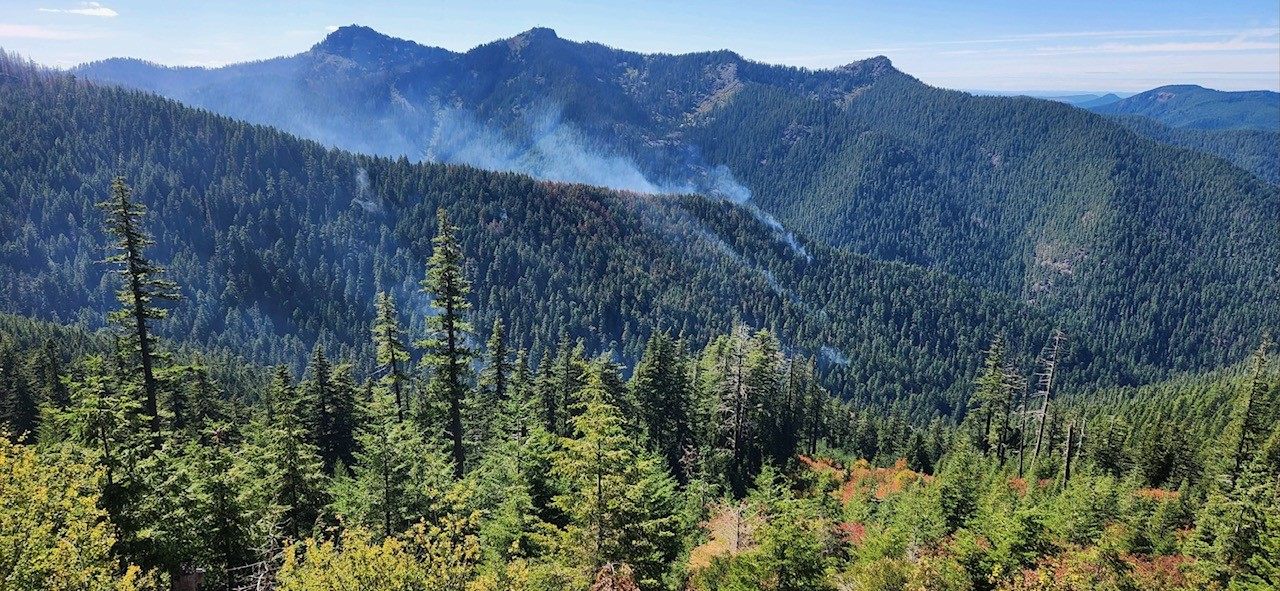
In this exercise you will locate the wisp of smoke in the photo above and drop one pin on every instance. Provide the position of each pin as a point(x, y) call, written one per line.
point(782, 233)
point(364, 197)
point(833, 355)
point(548, 148)
point(556, 151)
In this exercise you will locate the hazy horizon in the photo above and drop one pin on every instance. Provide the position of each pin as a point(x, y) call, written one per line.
point(994, 46)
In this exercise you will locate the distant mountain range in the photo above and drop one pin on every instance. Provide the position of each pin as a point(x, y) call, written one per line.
point(1195, 107)
point(1083, 100)
point(279, 243)
point(1097, 101)
point(1158, 258)
point(1039, 201)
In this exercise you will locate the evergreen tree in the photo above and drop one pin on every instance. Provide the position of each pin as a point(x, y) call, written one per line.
point(513, 528)
point(991, 393)
point(1252, 414)
point(392, 353)
point(290, 478)
point(19, 411)
point(106, 421)
point(207, 399)
point(620, 501)
point(663, 395)
point(561, 377)
point(495, 385)
point(1108, 453)
point(281, 403)
point(447, 353)
point(314, 397)
point(765, 406)
point(815, 405)
point(219, 491)
point(520, 413)
point(397, 477)
point(48, 371)
point(339, 419)
point(733, 416)
point(143, 287)
point(327, 407)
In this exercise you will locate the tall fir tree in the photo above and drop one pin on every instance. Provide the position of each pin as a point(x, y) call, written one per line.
point(143, 287)
point(990, 393)
point(1251, 417)
point(494, 386)
point(19, 411)
point(392, 354)
point(662, 394)
point(397, 478)
point(560, 379)
point(620, 500)
point(291, 476)
point(328, 410)
point(447, 355)
point(48, 371)
point(340, 418)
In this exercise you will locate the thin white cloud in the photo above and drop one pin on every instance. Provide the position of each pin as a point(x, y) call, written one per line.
point(331, 28)
point(1194, 47)
point(1236, 35)
point(86, 9)
point(9, 31)
point(1144, 33)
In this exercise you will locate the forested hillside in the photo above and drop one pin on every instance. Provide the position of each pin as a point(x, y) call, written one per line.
point(458, 467)
point(1255, 150)
point(1162, 253)
point(280, 244)
point(987, 344)
point(1196, 107)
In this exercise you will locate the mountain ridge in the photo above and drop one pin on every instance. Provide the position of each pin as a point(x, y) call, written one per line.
point(1038, 201)
point(1197, 107)
point(281, 243)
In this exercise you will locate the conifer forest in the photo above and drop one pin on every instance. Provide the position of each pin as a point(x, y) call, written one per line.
point(550, 315)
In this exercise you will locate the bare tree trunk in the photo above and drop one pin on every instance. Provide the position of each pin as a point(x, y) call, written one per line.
point(1066, 470)
point(1022, 431)
point(1046, 389)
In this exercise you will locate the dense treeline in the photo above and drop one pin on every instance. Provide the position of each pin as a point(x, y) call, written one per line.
point(1255, 150)
point(1194, 107)
point(1089, 223)
point(1162, 254)
point(564, 465)
point(698, 471)
point(279, 244)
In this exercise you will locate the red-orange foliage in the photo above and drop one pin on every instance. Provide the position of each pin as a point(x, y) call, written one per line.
point(852, 533)
point(1082, 568)
point(1158, 572)
point(1157, 494)
point(864, 480)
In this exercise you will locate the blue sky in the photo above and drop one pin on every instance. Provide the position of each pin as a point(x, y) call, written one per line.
point(1008, 45)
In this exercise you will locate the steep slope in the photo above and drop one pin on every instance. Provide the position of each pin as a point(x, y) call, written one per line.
point(1197, 107)
point(279, 243)
point(1063, 209)
point(1254, 150)
point(1162, 252)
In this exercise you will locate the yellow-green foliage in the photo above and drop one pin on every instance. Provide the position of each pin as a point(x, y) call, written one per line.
point(440, 557)
point(53, 536)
